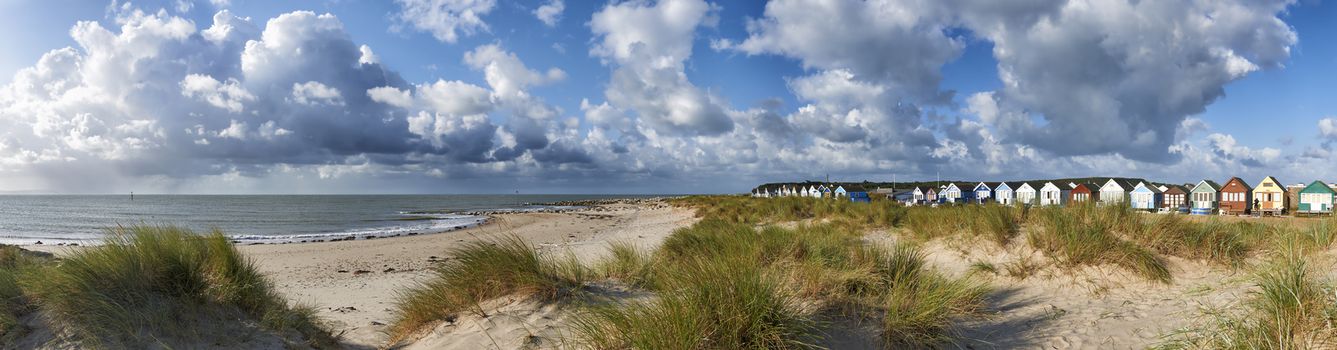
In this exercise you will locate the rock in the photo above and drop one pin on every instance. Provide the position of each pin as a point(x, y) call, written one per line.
point(360, 272)
point(389, 270)
point(39, 242)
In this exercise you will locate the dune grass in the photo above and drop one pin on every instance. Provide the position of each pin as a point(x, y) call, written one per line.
point(154, 285)
point(481, 271)
point(15, 265)
point(722, 284)
point(1086, 235)
point(876, 214)
point(1294, 307)
point(997, 223)
point(706, 303)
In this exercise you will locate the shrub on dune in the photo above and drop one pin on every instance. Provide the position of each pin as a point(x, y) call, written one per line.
point(481, 271)
point(159, 285)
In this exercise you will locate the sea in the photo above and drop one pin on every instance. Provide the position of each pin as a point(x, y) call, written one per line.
point(85, 219)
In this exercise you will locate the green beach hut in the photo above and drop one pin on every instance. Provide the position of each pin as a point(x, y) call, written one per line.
point(1317, 198)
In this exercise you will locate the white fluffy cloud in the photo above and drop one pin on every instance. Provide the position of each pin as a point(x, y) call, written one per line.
point(1120, 76)
point(550, 12)
point(901, 43)
point(1327, 128)
point(648, 44)
point(294, 96)
point(446, 20)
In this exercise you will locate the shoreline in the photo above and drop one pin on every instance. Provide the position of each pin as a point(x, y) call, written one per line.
point(353, 283)
point(482, 218)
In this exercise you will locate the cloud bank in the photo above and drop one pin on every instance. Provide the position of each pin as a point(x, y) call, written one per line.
point(1087, 87)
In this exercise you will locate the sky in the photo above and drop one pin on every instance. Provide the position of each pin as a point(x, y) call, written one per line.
point(667, 96)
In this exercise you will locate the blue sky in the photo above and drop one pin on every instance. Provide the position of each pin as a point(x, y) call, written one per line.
point(663, 96)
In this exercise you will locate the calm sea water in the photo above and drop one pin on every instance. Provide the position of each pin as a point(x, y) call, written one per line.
point(25, 219)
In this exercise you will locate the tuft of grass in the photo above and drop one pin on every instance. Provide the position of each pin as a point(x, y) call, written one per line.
point(723, 284)
point(997, 223)
point(918, 303)
point(626, 263)
point(152, 285)
point(481, 271)
point(1086, 235)
point(1022, 268)
point(710, 303)
point(1226, 244)
point(15, 264)
point(1292, 309)
point(984, 267)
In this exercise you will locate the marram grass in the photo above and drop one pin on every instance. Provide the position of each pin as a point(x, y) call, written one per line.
point(481, 271)
point(722, 284)
point(154, 286)
point(1293, 307)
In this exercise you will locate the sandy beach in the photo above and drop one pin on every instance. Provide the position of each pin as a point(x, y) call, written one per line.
point(354, 283)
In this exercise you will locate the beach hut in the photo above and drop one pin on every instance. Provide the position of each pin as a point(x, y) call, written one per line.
point(930, 194)
point(1116, 191)
point(950, 194)
point(1317, 198)
point(1083, 193)
point(1204, 198)
point(1025, 194)
point(841, 192)
point(1144, 196)
point(1269, 197)
point(825, 191)
point(1234, 198)
point(814, 191)
point(917, 194)
point(1174, 199)
point(1051, 194)
point(1003, 194)
point(984, 192)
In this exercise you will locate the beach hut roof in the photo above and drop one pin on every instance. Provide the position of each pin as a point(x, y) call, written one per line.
point(1241, 182)
point(1211, 185)
point(1149, 186)
point(1318, 187)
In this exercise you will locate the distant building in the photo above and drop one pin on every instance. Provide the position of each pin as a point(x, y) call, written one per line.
point(1317, 198)
point(1234, 198)
point(1174, 198)
point(951, 194)
point(1026, 194)
point(1144, 196)
point(1051, 194)
point(1204, 198)
point(1003, 194)
point(1083, 193)
point(983, 192)
point(1269, 197)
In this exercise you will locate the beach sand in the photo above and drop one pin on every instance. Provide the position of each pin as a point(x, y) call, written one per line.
point(354, 283)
